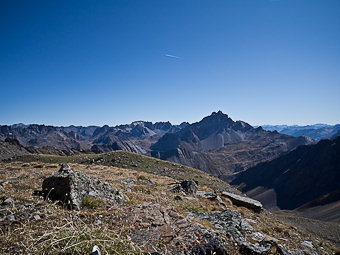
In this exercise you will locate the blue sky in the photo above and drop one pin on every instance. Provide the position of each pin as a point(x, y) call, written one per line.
point(111, 62)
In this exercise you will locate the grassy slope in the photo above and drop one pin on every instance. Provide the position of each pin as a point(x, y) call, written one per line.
point(127, 160)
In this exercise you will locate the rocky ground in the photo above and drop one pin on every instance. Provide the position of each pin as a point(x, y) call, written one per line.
point(153, 217)
point(329, 231)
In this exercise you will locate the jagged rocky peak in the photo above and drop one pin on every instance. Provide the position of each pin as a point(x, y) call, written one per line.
point(163, 125)
point(218, 116)
point(139, 123)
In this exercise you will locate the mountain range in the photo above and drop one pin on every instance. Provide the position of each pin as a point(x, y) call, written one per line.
point(216, 144)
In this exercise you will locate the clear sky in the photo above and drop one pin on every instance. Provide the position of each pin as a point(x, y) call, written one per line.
point(113, 62)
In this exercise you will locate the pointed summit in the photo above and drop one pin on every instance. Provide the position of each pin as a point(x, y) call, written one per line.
point(212, 123)
point(219, 113)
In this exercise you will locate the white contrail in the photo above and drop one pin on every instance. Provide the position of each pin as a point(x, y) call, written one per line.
point(171, 56)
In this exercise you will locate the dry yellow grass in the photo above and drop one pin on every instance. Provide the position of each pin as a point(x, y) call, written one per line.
point(50, 229)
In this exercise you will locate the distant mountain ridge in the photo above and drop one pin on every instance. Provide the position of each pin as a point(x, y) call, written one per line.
point(316, 131)
point(216, 144)
point(134, 137)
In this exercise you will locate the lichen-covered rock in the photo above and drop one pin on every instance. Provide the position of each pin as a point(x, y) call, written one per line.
point(160, 230)
point(71, 188)
point(228, 222)
point(231, 224)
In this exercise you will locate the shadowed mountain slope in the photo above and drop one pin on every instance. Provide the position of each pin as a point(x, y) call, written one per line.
point(305, 177)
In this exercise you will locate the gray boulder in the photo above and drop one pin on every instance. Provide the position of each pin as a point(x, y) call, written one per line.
point(71, 188)
point(244, 201)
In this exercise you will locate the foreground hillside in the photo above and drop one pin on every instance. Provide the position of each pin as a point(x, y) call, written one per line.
point(306, 179)
point(151, 219)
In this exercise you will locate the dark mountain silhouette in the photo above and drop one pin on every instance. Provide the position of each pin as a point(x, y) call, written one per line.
point(303, 178)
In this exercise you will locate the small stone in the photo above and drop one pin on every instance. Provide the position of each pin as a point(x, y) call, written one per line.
point(150, 182)
point(270, 239)
point(257, 236)
point(65, 168)
point(37, 217)
point(92, 193)
point(245, 225)
point(98, 222)
point(10, 217)
point(127, 181)
point(204, 194)
point(308, 244)
point(189, 198)
point(8, 201)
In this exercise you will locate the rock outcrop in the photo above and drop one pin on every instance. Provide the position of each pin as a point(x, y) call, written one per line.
point(244, 201)
point(237, 229)
point(186, 186)
point(71, 188)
